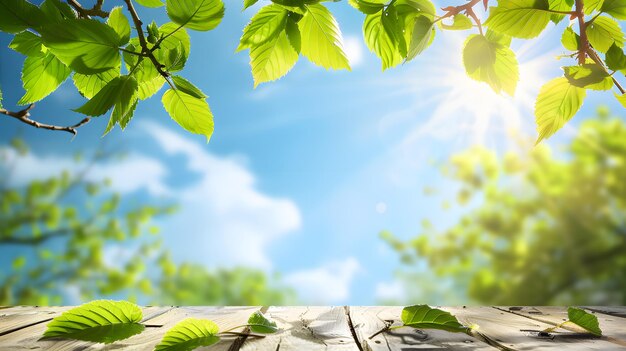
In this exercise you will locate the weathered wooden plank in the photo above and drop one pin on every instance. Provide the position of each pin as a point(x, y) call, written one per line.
point(513, 331)
point(18, 317)
point(369, 320)
point(613, 328)
point(306, 328)
point(618, 311)
point(28, 338)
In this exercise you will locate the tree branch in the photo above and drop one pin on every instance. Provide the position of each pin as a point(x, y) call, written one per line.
point(96, 10)
point(583, 46)
point(23, 116)
point(145, 50)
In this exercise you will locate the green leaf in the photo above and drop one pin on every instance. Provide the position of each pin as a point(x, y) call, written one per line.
point(367, 7)
point(584, 319)
point(57, 11)
point(90, 85)
point(378, 41)
point(188, 335)
point(150, 3)
point(499, 38)
point(519, 18)
point(592, 5)
point(17, 15)
point(150, 87)
point(321, 38)
point(120, 90)
point(191, 113)
point(394, 28)
point(570, 39)
point(27, 43)
point(560, 5)
point(41, 75)
point(492, 63)
point(557, 103)
point(187, 87)
point(422, 35)
point(615, 8)
point(199, 15)
point(258, 323)
point(263, 26)
point(272, 60)
point(603, 32)
point(293, 33)
point(102, 321)
point(122, 114)
point(248, 3)
point(589, 76)
point(178, 41)
point(615, 58)
point(425, 317)
point(86, 46)
point(459, 22)
point(120, 24)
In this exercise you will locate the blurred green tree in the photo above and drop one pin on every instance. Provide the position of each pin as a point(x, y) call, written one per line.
point(70, 237)
point(538, 229)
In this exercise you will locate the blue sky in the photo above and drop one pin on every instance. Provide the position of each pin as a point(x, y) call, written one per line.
point(303, 173)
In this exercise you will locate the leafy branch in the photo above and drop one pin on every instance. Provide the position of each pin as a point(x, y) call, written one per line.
point(96, 10)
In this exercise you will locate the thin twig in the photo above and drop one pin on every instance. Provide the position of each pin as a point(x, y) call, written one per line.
point(23, 116)
point(96, 10)
point(594, 56)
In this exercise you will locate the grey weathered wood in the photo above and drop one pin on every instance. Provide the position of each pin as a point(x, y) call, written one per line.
point(369, 320)
point(29, 338)
point(306, 328)
point(613, 328)
point(513, 331)
point(618, 311)
point(16, 318)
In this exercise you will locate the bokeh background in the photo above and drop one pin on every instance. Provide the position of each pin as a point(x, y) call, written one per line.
point(414, 185)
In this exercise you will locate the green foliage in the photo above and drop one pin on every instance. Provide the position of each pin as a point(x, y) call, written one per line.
point(258, 323)
point(536, 227)
point(426, 317)
point(584, 319)
point(101, 321)
point(396, 31)
point(557, 103)
point(189, 334)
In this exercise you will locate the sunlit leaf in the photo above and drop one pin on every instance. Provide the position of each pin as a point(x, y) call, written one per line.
point(321, 38)
point(557, 103)
point(293, 33)
point(615, 8)
point(102, 321)
point(120, 24)
point(55, 10)
point(199, 15)
point(422, 36)
point(368, 7)
point(150, 3)
point(87, 46)
point(258, 323)
point(378, 41)
point(121, 115)
point(615, 58)
point(426, 317)
point(264, 26)
point(41, 75)
point(272, 60)
point(620, 97)
point(189, 334)
point(562, 6)
point(191, 113)
point(459, 22)
point(519, 18)
point(589, 76)
point(120, 90)
point(248, 3)
point(27, 43)
point(491, 63)
point(570, 39)
point(604, 32)
point(584, 319)
point(90, 85)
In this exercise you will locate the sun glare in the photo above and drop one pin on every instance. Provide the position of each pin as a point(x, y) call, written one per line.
point(467, 111)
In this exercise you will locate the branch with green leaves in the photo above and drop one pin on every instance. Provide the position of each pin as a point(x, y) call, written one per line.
point(107, 321)
point(115, 71)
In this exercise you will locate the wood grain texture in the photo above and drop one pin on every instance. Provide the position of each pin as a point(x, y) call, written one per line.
point(369, 320)
point(613, 328)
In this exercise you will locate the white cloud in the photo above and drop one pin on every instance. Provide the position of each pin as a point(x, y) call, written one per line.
point(390, 291)
point(223, 219)
point(354, 50)
point(327, 284)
